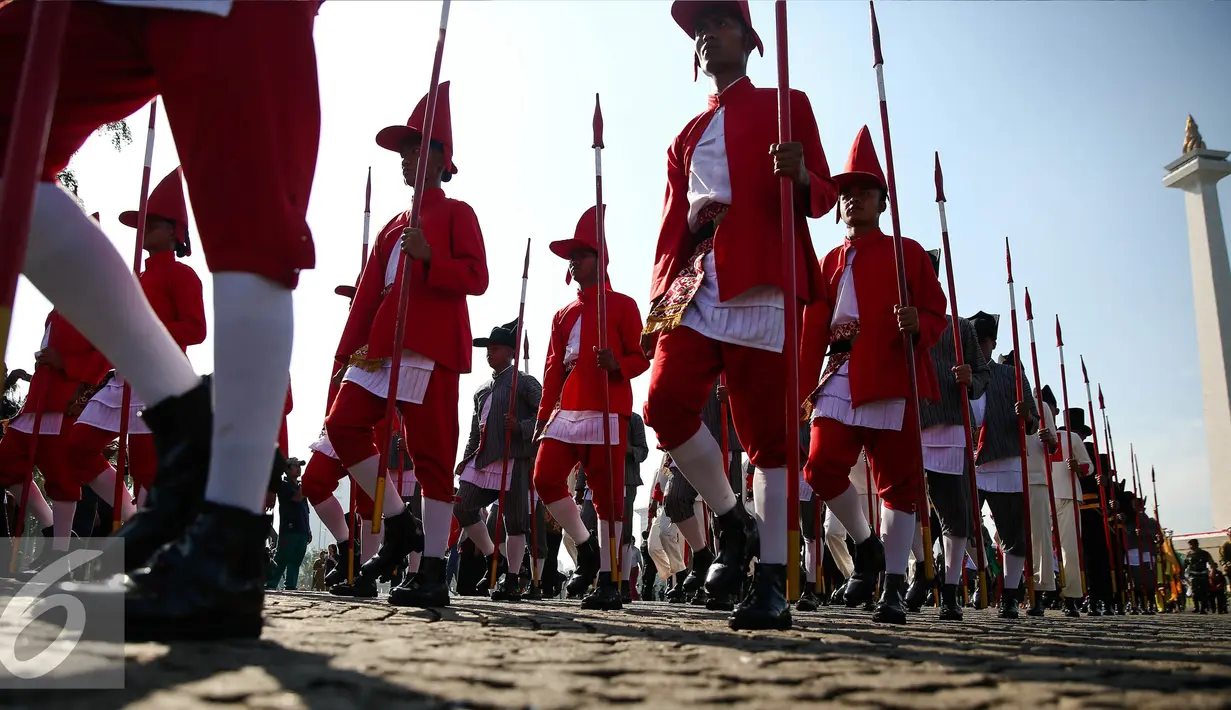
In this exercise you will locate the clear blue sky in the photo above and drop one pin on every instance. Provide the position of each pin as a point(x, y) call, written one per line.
point(1053, 121)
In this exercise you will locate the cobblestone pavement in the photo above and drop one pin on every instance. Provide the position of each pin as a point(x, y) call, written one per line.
point(324, 653)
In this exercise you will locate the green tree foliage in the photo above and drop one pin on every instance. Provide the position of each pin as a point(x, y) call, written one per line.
point(118, 133)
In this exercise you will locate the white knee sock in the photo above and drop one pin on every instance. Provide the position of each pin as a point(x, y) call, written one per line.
point(1013, 566)
point(369, 542)
point(604, 544)
point(364, 474)
point(413, 565)
point(331, 514)
point(437, 519)
point(701, 462)
point(104, 485)
point(538, 566)
point(769, 495)
point(626, 562)
point(565, 512)
point(73, 264)
point(253, 330)
point(62, 521)
point(848, 510)
point(694, 532)
point(899, 529)
point(810, 560)
point(515, 552)
point(478, 534)
point(916, 545)
point(36, 504)
point(955, 558)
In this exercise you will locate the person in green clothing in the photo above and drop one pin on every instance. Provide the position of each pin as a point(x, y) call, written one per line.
point(294, 533)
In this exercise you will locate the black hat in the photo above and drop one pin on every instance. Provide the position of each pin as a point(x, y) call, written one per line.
point(934, 255)
point(1077, 422)
point(1049, 397)
point(987, 325)
point(1009, 358)
point(501, 335)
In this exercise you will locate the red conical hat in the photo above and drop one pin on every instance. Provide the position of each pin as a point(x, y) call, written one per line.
point(442, 128)
point(96, 218)
point(686, 12)
point(166, 201)
point(862, 162)
point(585, 236)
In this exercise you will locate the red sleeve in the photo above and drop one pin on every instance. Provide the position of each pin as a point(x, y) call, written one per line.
point(927, 296)
point(290, 402)
point(823, 191)
point(674, 221)
point(813, 342)
point(553, 371)
point(463, 270)
point(188, 328)
point(87, 366)
point(369, 295)
point(632, 360)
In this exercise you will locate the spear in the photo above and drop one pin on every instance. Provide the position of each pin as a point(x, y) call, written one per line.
point(121, 453)
point(399, 328)
point(925, 520)
point(963, 392)
point(1038, 400)
point(1121, 535)
point(612, 550)
point(508, 431)
point(27, 146)
point(1021, 425)
point(1158, 550)
point(1099, 476)
point(1139, 509)
point(367, 220)
point(354, 489)
point(534, 525)
point(1068, 457)
point(786, 208)
point(25, 488)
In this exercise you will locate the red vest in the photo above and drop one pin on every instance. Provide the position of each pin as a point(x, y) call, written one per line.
point(747, 251)
point(877, 367)
point(84, 366)
point(582, 391)
point(437, 321)
point(174, 292)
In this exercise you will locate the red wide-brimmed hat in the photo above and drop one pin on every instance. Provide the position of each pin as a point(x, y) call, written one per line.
point(686, 12)
point(392, 137)
point(585, 236)
point(166, 201)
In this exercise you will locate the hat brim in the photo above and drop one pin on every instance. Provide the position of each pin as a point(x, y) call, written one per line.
point(1082, 431)
point(488, 342)
point(345, 291)
point(391, 138)
point(686, 12)
point(565, 247)
point(129, 218)
point(845, 180)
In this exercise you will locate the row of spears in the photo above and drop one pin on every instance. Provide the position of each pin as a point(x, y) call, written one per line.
point(32, 119)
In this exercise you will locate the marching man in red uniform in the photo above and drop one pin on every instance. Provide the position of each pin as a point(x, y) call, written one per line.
point(447, 263)
point(570, 425)
point(67, 366)
point(717, 298)
point(174, 292)
point(862, 398)
point(249, 66)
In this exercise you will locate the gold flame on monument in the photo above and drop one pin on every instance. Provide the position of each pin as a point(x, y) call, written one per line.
point(1192, 136)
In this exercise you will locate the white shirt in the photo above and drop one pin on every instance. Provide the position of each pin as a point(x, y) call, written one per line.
point(1062, 479)
point(580, 427)
point(1037, 456)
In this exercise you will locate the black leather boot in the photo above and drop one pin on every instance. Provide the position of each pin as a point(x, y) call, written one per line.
point(950, 609)
point(838, 598)
point(1036, 605)
point(891, 609)
point(1070, 608)
point(347, 550)
point(182, 428)
point(626, 592)
point(869, 564)
point(917, 592)
point(207, 585)
point(534, 593)
point(1095, 607)
point(698, 567)
point(676, 593)
point(403, 535)
point(508, 589)
point(587, 568)
point(738, 543)
point(429, 587)
point(766, 606)
point(605, 597)
point(808, 601)
point(41, 560)
point(1009, 602)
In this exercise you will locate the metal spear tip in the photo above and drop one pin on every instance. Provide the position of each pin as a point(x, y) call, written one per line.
point(1083, 368)
point(1059, 337)
point(598, 124)
point(1101, 404)
point(940, 179)
point(367, 195)
point(877, 58)
point(1029, 310)
point(525, 272)
point(1008, 259)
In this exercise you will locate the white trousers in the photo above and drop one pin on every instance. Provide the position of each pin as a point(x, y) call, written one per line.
point(835, 538)
point(1040, 539)
point(1065, 512)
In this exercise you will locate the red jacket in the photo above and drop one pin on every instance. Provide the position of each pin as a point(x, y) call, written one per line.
point(747, 251)
point(582, 390)
point(438, 321)
point(877, 367)
point(83, 366)
point(174, 292)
